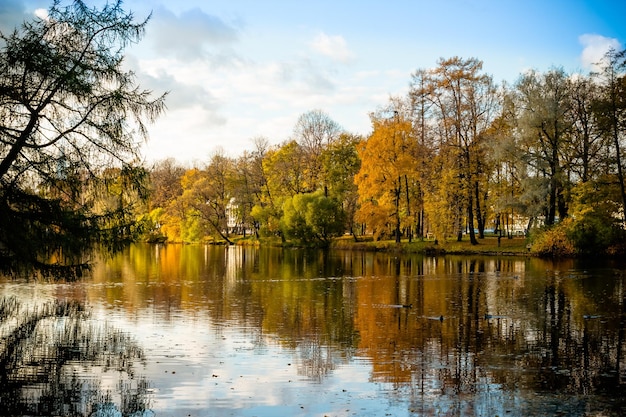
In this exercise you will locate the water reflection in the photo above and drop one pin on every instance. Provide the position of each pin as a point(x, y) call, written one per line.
point(45, 353)
point(261, 331)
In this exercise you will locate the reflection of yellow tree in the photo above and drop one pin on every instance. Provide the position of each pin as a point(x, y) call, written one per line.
point(486, 322)
point(329, 305)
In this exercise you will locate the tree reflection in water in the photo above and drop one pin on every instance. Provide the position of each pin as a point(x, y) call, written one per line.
point(542, 344)
point(395, 335)
point(55, 360)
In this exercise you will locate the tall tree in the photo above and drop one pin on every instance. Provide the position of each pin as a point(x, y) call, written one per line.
point(587, 142)
point(246, 191)
point(263, 200)
point(545, 126)
point(422, 115)
point(208, 194)
point(340, 163)
point(387, 160)
point(506, 168)
point(285, 167)
point(68, 108)
point(611, 111)
point(314, 132)
point(465, 103)
point(165, 183)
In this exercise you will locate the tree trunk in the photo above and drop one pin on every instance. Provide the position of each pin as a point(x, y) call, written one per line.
point(470, 221)
point(620, 168)
point(398, 193)
point(480, 219)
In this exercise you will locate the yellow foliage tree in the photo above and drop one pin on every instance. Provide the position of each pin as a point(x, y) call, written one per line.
point(388, 169)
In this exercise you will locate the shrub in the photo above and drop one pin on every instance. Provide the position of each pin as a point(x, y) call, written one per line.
point(553, 242)
point(594, 233)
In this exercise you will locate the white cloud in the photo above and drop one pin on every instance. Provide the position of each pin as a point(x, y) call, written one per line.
point(594, 48)
point(42, 14)
point(334, 47)
point(193, 35)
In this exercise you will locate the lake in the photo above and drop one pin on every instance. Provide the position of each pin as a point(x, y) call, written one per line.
point(243, 331)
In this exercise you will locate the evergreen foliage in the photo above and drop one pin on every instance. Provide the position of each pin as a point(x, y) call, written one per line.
point(70, 119)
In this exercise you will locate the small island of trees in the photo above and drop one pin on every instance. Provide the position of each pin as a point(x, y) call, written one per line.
point(460, 157)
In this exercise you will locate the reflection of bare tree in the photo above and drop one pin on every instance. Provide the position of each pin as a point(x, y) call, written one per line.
point(49, 354)
point(315, 359)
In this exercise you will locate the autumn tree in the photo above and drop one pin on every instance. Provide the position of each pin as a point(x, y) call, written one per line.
point(388, 168)
point(507, 170)
point(264, 210)
point(422, 115)
point(68, 109)
point(165, 184)
point(588, 144)
point(464, 103)
point(163, 218)
point(247, 189)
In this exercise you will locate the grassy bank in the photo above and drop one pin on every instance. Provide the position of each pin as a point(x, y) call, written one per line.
point(487, 246)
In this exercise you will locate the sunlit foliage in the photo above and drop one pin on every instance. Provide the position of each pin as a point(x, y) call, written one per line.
point(69, 113)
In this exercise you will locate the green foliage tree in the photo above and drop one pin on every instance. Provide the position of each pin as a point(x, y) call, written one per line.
point(68, 111)
point(340, 163)
point(208, 193)
point(285, 167)
point(312, 218)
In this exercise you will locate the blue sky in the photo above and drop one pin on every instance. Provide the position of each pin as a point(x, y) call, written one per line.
point(241, 69)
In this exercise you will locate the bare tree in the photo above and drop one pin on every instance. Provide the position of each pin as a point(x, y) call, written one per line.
point(314, 132)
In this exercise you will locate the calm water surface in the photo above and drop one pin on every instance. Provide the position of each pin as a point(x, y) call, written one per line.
point(231, 331)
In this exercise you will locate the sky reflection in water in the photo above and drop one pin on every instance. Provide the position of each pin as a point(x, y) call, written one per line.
point(183, 330)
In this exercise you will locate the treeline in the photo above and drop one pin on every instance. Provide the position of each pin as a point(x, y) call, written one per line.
point(458, 155)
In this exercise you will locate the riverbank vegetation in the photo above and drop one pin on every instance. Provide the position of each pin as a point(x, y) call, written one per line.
point(459, 158)
point(456, 164)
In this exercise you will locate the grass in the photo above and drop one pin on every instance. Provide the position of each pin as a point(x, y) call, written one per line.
point(488, 245)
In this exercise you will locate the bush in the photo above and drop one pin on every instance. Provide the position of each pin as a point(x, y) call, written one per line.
point(594, 234)
point(553, 242)
point(594, 227)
